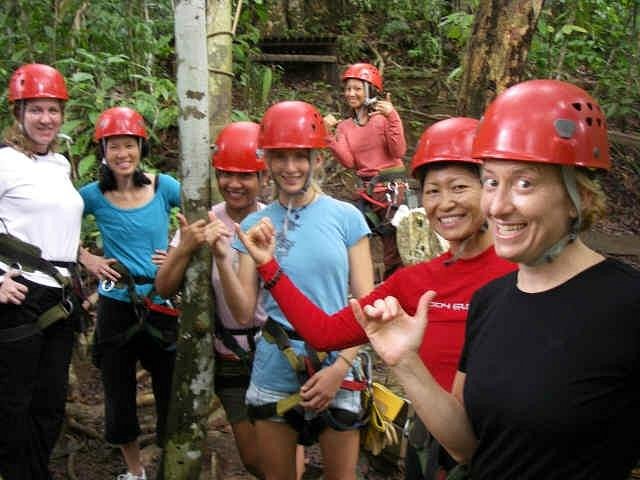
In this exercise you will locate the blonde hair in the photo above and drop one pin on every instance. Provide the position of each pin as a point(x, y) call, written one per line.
point(594, 200)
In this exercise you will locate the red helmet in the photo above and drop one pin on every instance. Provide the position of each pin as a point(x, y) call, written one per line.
point(292, 124)
point(35, 80)
point(120, 121)
point(545, 121)
point(365, 72)
point(236, 148)
point(446, 141)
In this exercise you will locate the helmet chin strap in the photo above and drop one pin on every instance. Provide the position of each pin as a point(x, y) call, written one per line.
point(569, 180)
point(301, 192)
point(464, 243)
point(364, 108)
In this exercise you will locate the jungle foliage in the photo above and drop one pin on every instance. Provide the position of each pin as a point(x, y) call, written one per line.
point(115, 52)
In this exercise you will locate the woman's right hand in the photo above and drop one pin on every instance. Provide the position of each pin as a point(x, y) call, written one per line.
point(12, 291)
point(99, 267)
point(259, 240)
point(392, 332)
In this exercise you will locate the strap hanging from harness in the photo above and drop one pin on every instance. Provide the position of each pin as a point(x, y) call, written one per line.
point(228, 339)
point(141, 307)
point(27, 257)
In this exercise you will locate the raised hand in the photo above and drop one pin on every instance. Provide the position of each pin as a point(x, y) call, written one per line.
point(217, 235)
point(383, 107)
point(330, 121)
point(192, 236)
point(259, 240)
point(12, 291)
point(392, 332)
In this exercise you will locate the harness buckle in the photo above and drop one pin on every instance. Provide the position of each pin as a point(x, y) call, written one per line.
point(107, 285)
point(67, 305)
point(17, 266)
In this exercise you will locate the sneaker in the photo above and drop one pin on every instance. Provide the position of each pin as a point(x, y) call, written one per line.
point(131, 476)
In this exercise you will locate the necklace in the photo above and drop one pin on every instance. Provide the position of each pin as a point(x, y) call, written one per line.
point(293, 214)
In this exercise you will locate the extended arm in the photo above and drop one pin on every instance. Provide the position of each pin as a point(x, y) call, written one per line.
point(394, 131)
point(321, 388)
point(322, 331)
point(339, 146)
point(394, 134)
point(240, 290)
point(171, 272)
point(396, 337)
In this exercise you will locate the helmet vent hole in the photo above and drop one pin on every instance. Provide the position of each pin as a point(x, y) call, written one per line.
point(565, 128)
point(599, 121)
point(577, 106)
point(590, 121)
point(590, 106)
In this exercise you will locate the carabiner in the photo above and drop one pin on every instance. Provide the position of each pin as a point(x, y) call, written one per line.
point(107, 285)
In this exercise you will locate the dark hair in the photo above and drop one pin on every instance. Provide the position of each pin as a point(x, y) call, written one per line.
point(107, 180)
point(421, 173)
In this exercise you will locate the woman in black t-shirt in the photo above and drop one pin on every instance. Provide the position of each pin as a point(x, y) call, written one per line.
point(548, 381)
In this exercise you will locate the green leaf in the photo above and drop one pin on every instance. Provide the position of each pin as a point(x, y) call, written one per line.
point(86, 165)
point(81, 77)
point(70, 125)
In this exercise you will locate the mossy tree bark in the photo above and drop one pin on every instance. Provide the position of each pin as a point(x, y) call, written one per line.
point(193, 375)
point(220, 60)
point(497, 51)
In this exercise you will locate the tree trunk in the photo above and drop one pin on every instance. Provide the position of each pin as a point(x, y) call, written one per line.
point(219, 48)
point(497, 51)
point(193, 375)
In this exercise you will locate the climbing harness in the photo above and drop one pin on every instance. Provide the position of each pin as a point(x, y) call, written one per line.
point(380, 197)
point(26, 257)
point(388, 413)
point(242, 375)
point(305, 367)
point(144, 308)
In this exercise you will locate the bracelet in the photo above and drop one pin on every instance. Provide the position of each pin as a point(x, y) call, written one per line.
point(346, 360)
point(271, 283)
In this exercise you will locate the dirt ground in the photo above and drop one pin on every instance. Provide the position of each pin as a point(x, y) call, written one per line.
point(82, 454)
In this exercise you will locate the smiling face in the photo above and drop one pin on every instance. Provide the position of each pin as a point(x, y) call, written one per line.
point(354, 93)
point(528, 207)
point(42, 122)
point(290, 168)
point(451, 197)
point(122, 153)
point(239, 190)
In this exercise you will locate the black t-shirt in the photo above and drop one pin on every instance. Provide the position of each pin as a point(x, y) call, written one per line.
point(553, 378)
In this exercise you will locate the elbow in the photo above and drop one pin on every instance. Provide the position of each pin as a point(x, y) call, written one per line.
point(163, 289)
point(463, 453)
